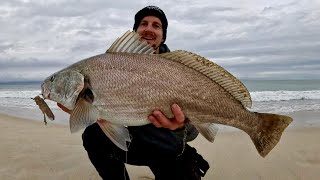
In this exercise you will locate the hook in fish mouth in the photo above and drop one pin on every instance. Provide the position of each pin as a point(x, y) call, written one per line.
point(46, 96)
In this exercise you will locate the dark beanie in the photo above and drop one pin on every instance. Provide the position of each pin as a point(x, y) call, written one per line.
point(152, 11)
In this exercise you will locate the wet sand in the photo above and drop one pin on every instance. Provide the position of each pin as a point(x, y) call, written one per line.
point(31, 150)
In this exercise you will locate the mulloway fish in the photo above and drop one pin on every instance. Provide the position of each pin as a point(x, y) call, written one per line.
point(123, 86)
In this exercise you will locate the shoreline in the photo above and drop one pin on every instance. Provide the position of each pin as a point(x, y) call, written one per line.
point(301, 119)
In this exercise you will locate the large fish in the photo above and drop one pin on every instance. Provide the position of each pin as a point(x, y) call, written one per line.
point(123, 86)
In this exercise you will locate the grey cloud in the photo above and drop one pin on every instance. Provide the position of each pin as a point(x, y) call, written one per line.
point(25, 74)
point(89, 46)
point(284, 43)
point(280, 50)
point(265, 40)
point(69, 8)
point(31, 63)
point(5, 46)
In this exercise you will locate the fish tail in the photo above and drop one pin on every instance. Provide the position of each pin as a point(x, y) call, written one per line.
point(269, 131)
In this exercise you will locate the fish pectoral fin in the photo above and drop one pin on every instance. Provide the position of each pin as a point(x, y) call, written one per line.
point(83, 115)
point(118, 134)
point(208, 130)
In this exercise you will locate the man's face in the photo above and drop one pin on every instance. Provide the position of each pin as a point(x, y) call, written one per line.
point(150, 30)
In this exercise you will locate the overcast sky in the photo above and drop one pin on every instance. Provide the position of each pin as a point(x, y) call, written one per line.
point(252, 39)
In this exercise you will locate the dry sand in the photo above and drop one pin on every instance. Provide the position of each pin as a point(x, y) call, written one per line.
point(31, 150)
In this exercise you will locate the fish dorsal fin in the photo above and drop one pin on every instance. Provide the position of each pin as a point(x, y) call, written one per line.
point(130, 43)
point(213, 71)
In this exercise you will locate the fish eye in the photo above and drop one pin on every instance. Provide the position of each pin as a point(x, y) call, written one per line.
point(52, 78)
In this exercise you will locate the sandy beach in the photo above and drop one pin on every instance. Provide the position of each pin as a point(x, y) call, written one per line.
point(31, 150)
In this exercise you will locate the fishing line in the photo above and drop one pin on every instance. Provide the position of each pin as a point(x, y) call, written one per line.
point(185, 133)
point(126, 157)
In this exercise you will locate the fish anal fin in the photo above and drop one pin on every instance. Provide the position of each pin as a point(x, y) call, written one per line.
point(118, 134)
point(269, 131)
point(130, 43)
point(83, 115)
point(213, 71)
point(207, 130)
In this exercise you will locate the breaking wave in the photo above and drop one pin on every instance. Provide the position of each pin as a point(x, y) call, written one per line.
point(260, 96)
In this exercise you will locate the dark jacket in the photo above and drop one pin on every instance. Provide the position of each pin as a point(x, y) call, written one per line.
point(162, 150)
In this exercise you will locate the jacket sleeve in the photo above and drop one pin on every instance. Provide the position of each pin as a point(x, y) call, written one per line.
point(189, 129)
point(163, 48)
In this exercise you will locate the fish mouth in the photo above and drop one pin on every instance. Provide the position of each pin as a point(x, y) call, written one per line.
point(45, 91)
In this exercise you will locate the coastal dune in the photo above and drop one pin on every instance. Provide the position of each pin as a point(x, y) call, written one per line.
point(31, 150)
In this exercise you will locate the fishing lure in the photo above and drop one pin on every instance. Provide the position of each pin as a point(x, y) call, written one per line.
point(44, 108)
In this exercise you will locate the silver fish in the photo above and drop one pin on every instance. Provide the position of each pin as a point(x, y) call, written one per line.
point(123, 86)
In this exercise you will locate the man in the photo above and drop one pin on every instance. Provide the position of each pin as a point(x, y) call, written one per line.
point(160, 145)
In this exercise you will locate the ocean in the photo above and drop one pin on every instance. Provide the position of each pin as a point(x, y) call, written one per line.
point(284, 96)
point(271, 96)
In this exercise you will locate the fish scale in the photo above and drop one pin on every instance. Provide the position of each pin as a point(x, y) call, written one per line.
point(124, 79)
point(123, 88)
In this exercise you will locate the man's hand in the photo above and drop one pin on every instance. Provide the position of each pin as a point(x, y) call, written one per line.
point(160, 120)
point(64, 108)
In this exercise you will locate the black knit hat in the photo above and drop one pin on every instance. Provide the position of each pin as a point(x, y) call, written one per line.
point(152, 11)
